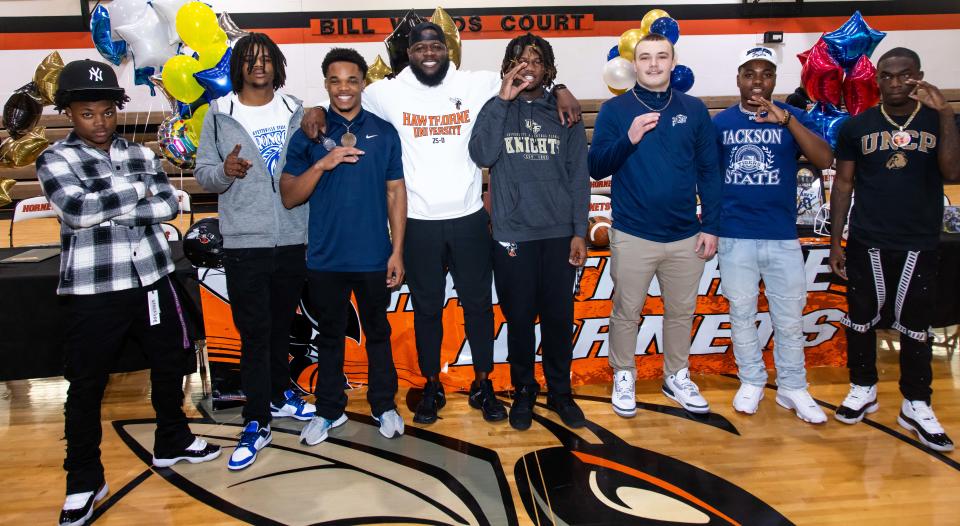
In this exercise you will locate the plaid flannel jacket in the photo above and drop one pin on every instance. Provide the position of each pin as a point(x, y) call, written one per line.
point(110, 209)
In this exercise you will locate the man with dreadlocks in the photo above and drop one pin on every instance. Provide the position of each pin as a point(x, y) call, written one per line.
point(540, 189)
point(264, 242)
point(434, 107)
point(111, 196)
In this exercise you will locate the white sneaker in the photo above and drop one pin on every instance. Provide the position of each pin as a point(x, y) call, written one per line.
point(800, 401)
point(681, 389)
point(391, 423)
point(623, 395)
point(917, 416)
point(747, 399)
point(318, 427)
point(78, 507)
point(860, 401)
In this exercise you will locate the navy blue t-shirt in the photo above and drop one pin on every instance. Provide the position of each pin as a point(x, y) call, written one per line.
point(347, 229)
point(758, 162)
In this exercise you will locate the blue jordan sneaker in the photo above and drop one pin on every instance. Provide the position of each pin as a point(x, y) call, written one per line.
point(253, 438)
point(293, 406)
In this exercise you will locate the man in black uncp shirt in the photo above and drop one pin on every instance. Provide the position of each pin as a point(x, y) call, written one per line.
point(896, 155)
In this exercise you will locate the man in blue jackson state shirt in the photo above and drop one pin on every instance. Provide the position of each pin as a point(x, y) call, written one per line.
point(759, 142)
point(660, 146)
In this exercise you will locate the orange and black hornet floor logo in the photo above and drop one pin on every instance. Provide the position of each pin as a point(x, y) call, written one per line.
point(358, 477)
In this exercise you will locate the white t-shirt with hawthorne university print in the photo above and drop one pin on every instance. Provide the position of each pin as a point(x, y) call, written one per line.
point(434, 124)
point(267, 125)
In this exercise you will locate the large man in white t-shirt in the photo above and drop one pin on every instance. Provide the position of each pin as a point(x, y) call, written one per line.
point(433, 107)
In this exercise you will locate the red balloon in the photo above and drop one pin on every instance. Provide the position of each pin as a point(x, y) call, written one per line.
point(821, 76)
point(860, 90)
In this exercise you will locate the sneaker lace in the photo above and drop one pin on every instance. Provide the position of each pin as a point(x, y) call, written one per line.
point(924, 414)
point(247, 438)
point(856, 394)
point(686, 384)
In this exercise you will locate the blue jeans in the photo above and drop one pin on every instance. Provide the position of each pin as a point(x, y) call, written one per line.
point(743, 262)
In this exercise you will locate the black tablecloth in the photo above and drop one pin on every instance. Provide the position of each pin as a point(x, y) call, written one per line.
point(31, 331)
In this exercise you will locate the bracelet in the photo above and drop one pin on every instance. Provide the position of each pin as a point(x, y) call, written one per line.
point(786, 119)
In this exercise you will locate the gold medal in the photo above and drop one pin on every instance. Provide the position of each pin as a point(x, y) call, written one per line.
point(901, 139)
point(348, 139)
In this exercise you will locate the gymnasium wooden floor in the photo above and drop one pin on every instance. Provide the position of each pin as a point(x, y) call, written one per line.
point(661, 467)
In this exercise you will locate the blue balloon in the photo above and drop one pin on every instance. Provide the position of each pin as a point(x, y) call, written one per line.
point(681, 79)
point(852, 39)
point(141, 77)
point(614, 53)
point(667, 27)
point(112, 50)
point(216, 80)
point(827, 120)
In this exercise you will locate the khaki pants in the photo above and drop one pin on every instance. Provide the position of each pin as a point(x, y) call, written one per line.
point(634, 261)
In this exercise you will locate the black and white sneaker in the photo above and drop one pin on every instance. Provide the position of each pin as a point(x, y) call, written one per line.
point(860, 401)
point(198, 451)
point(78, 508)
point(917, 416)
point(682, 390)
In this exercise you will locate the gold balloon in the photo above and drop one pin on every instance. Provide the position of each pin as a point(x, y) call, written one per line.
point(47, 77)
point(25, 150)
point(649, 18)
point(616, 91)
point(5, 186)
point(378, 71)
point(628, 42)
point(451, 34)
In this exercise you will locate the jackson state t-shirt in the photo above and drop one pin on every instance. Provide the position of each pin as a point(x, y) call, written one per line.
point(758, 164)
point(267, 125)
point(897, 191)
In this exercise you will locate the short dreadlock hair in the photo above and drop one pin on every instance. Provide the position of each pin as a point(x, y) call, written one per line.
point(342, 54)
point(516, 47)
point(249, 45)
point(63, 99)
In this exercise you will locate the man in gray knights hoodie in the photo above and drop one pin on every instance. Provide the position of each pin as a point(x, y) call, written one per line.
point(242, 151)
point(540, 194)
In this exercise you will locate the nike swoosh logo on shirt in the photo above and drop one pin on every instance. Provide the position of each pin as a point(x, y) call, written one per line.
point(370, 136)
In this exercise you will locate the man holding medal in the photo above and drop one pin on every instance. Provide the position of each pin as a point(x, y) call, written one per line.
point(354, 190)
point(896, 156)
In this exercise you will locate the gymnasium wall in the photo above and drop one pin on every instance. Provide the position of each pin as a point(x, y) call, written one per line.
point(712, 33)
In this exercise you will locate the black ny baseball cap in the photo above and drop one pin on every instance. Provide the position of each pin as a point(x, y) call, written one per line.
point(89, 80)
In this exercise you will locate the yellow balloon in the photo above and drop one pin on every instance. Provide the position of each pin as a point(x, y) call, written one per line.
point(378, 71)
point(195, 123)
point(649, 18)
point(178, 78)
point(197, 25)
point(628, 42)
point(211, 55)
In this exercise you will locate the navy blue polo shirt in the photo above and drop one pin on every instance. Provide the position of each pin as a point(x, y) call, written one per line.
point(347, 229)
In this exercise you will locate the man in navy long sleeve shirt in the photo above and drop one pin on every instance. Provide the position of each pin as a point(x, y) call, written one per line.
point(660, 146)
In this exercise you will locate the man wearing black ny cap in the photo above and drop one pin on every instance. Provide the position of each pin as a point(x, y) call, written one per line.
point(111, 196)
point(434, 107)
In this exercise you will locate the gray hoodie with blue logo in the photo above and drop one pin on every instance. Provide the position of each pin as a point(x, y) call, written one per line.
point(251, 212)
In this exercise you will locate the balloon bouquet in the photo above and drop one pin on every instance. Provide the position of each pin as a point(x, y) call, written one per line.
point(21, 118)
point(397, 42)
point(619, 73)
point(180, 48)
point(838, 69)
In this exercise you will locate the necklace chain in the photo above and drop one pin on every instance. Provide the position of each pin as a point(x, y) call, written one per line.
point(909, 120)
point(648, 107)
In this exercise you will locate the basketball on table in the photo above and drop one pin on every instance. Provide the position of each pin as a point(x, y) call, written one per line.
point(598, 231)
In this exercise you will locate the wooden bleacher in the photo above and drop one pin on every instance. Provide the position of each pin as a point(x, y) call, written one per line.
point(142, 126)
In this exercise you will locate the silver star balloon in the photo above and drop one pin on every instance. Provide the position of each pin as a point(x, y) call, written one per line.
point(230, 27)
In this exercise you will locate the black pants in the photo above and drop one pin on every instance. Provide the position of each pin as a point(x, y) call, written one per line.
point(462, 246)
point(330, 294)
point(264, 285)
point(537, 281)
point(96, 327)
point(890, 288)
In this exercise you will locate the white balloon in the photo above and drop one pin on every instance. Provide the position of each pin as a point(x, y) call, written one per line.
point(147, 38)
point(167, 9)
point(124, 12)
point(619, 73)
